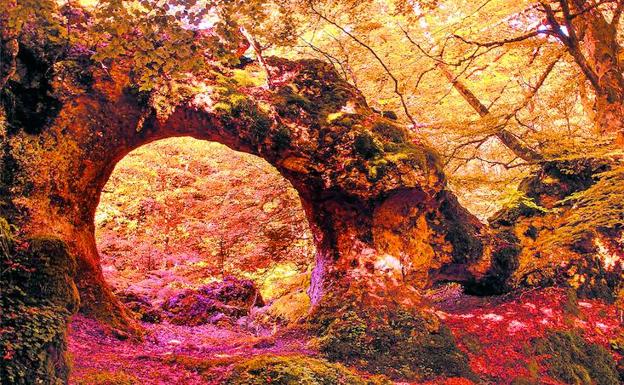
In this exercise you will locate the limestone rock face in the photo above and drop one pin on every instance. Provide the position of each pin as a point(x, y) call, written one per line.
point(345, 160)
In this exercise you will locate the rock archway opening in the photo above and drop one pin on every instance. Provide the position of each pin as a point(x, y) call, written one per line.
point(192, 232)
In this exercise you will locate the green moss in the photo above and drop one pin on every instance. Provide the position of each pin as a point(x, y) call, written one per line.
point(208, 368)
point(390, 341)
point(296, 370)
point(282, 139)
point(236, 105)
point(573, 360)
point(107, 378)
point(289, 103)
point(244, 78)
point(38, 296)
point(390, 132)
point(377, 169)
point(415, 156)
point(342, 119)
point(366, 146)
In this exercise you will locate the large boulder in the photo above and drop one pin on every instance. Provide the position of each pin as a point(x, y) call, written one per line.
point(231, 299)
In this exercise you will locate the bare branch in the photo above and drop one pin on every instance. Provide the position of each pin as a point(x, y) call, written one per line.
point(397, 89)
point(499, 43)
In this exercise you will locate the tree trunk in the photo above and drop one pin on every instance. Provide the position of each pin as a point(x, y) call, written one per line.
point(512, 142)
point(601, 66)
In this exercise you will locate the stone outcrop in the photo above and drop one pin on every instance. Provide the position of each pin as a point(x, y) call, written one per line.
point(530, 249)
point(227, 300)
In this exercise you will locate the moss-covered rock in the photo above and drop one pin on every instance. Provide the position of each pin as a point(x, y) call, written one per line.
point(296, 370)
point(527, 236)
point(390, 132)
point(388, 339)
point(366, 146)
point(38, 296)
point(572, 360)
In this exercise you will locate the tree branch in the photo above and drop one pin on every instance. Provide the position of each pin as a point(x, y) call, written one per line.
point(571, 43)
point(499, 43)
point(397, 90)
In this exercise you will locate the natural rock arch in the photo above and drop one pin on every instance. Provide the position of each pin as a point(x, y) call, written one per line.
point(376, 201)
point(362, 184)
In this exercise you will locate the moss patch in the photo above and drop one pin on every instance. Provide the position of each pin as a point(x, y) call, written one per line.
point(296, 370)
point(573, 360)
point(366, 146)
point(391, 341)
point(390, 132)
point(107, 378)
point(38, 296)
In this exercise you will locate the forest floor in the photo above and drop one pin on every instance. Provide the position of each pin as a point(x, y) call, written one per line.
point(174, 354)
point(495, 332)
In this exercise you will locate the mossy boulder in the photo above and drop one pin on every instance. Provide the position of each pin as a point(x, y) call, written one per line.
point(388, 339)
point(296, 370)
point(230, 299)
point(526, 234)
point(572, 360)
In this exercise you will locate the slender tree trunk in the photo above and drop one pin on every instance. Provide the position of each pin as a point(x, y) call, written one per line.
point(258, 51)
point(520, 149)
